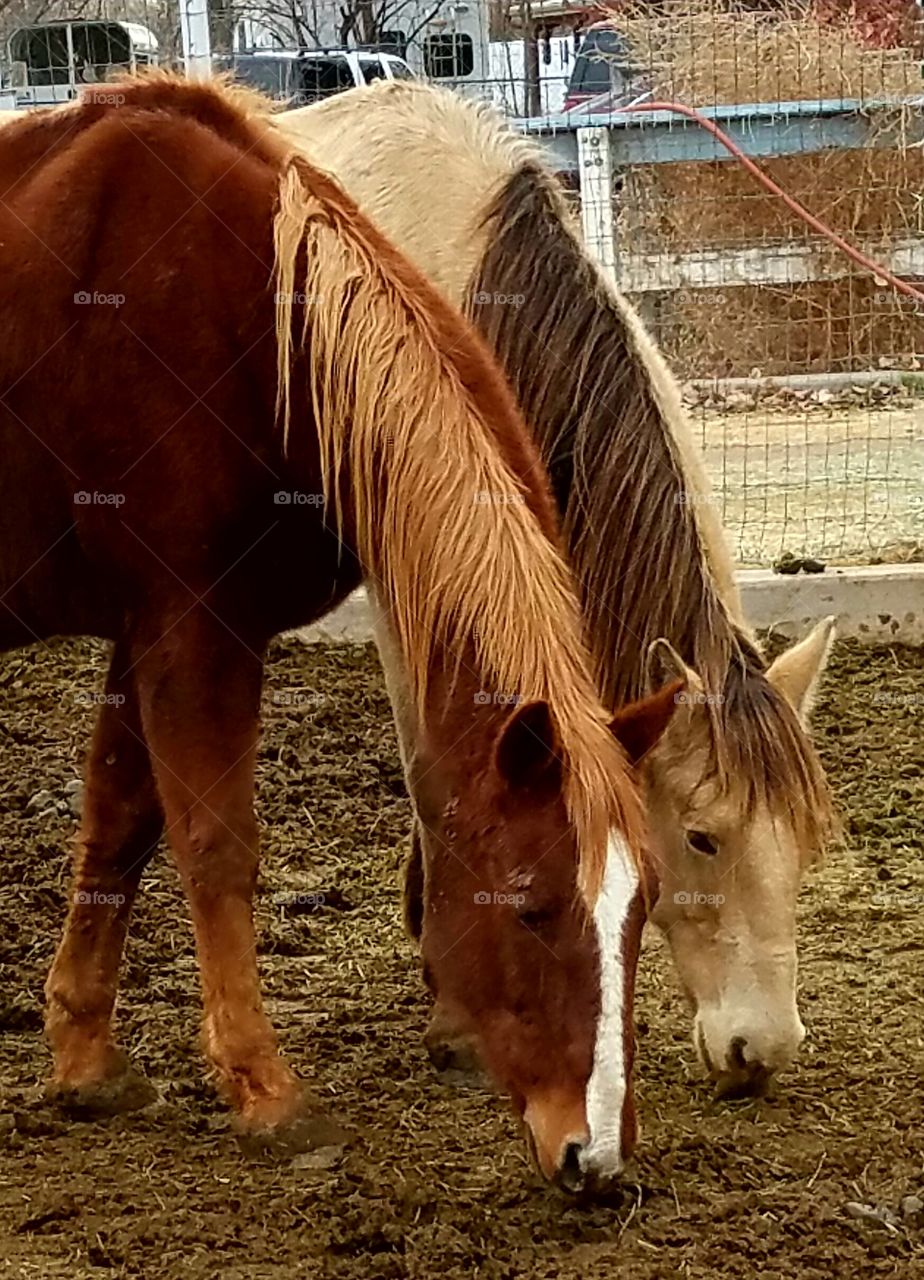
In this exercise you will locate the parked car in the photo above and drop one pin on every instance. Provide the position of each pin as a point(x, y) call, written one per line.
point(294, 78)
point(604, 75)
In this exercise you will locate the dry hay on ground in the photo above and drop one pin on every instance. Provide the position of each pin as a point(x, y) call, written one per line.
point(436, 1183)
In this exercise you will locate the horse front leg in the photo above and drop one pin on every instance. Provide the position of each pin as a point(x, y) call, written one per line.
point(451, 1047)
point(121, 823)
point(199, 690)
point(412, 885)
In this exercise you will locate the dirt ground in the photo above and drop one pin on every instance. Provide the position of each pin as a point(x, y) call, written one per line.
point(436, 1183)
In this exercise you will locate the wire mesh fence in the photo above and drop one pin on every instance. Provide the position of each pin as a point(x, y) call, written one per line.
point(803, 370)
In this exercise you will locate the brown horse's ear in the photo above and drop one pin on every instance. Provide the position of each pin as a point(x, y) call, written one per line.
point(639, 725)
point(528, 753)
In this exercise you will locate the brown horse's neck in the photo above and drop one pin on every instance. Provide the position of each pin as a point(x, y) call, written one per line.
point(449, 502)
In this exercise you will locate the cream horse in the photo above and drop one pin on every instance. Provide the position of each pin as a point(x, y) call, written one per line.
point(737, 799)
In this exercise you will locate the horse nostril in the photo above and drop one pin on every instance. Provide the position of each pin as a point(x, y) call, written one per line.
point(736, 1053)
point(570, 1174)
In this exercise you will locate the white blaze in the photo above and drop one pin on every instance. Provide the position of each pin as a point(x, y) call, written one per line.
point(606, 1088)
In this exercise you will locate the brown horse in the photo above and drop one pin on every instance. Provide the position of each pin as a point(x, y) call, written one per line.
point(736, 797)
point(163, 422)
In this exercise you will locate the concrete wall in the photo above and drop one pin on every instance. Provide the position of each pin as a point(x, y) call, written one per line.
point(877, 604)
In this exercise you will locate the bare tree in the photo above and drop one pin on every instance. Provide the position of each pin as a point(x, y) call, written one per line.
point(291, 22)
point(368, 22)
point(303, 23)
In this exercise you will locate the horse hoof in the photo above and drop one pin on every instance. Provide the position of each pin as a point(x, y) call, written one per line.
point(306, 1132)
point(128, 1090)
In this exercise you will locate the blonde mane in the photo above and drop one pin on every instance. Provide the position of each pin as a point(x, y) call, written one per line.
point(645, 539)
point(427, 458)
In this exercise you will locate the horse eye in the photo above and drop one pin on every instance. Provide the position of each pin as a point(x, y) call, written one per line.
point(702, 842)
point(534, 917)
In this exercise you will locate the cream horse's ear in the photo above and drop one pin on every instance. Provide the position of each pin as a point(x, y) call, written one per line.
point(796, 673)
point(663, 664)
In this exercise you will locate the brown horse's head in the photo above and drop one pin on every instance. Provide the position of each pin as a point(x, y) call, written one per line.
point(539, 977)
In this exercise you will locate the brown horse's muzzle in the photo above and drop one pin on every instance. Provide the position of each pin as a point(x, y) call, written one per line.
point(560, 1142)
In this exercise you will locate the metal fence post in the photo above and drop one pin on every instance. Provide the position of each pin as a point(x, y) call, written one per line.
point(595, 172)
point(194, 32)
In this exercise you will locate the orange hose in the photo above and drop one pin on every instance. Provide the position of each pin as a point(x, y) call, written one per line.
point(852, 252)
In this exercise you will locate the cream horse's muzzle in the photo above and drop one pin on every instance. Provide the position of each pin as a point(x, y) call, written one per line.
point(742, 1059)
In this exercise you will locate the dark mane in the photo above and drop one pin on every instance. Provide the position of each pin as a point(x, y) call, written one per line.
point(619, 479)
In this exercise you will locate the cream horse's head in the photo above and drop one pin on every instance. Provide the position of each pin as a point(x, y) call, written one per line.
point(731, 860)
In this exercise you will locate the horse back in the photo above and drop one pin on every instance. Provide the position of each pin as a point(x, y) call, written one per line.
point(137, 370)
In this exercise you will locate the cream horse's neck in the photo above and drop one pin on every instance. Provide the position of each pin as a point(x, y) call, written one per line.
point(421, 168)
point(425, 165)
